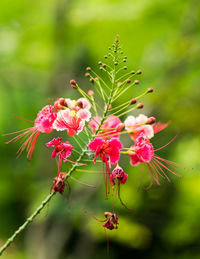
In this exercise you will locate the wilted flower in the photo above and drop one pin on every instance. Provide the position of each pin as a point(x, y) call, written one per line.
point(119, 175)
point(111, 221)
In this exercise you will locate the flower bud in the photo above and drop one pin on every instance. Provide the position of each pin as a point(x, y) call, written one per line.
point(128, 80)
point(132, 72)
point(80, 104)
point(139, 72)
point(116, 63)
point(125, 67)
point(100, 63)
point(90, 93)
point(136, 82)
point(91, 80)
point(133, 101)
point(88, 68)
point(87, 74)
point(59, 183)
point(120, 127)
point(104, 65)
point(60, 104)
point(140, 105)
point(150, 90)
point(72, 82)
point(151, 120)
point(119, 83)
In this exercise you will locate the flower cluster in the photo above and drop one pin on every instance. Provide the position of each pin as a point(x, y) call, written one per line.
point(100, 127)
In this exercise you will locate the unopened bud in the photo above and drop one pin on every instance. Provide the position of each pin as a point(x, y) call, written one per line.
point(140, 105)
point(133, 101)
point(139, 72)
point(116, 63)
point(91, 80)
point(90, 93)
point(101, 68)
point(104, 65)
point(120, 127)
point(150, 90)
point(110, 107)
point(80, 104)
point(105, 56)
point(128, 80)
point(96, 78)
point(72, 82)
point(60, 104)
point(119, 83)
point(132, 72)
point(87, 74)
point(151, 120)
point(124, 60)
point(100, 63)
point(125, 67)
point(136, 82)
point(88, 68)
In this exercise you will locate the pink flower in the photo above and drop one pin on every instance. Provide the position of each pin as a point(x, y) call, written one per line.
point(107, 149)
point(133, 125)
point(109, 125)
point(118, 173)
point(144, 153)
point(141, 152)
point(45, 119)
point(111, 221)
point(43, 124)
point(61, 149)
point(71, 121)
point(73, 117)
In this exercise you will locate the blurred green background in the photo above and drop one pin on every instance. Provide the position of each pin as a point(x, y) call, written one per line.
point(44, 44)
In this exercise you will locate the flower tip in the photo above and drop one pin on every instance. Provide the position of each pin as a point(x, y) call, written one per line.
point(90, 93)
point(140, 105)
point(128, 81)
point(133, 101)
point(88, 68)
point(139, 72)
point(136, 82)
point(150, 90)
point(151, 120)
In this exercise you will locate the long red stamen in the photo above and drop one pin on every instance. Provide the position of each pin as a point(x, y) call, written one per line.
point(166, 167)
point(167, 143)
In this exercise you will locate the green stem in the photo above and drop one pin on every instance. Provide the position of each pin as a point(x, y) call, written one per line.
point(26, 223)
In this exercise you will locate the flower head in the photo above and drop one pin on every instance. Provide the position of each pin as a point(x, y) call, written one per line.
point(137, 126)
point(106, 149)
point(144, 153)
point(42, 124)
point(108, 128)
point(61, 149)
point(73, 117)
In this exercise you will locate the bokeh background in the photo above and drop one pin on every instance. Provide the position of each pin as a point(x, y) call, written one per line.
point(44, 44)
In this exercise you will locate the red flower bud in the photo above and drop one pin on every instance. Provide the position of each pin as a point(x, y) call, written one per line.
point(88, 68)
point(87, 74)
point(150, 90)
point(140, 105)
point(133, 101)
point(91, 80)
point(128, 80)
point(120, 127)
point(151, 120)
point(139, 71)
point(90, 92)
point(136, 82)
